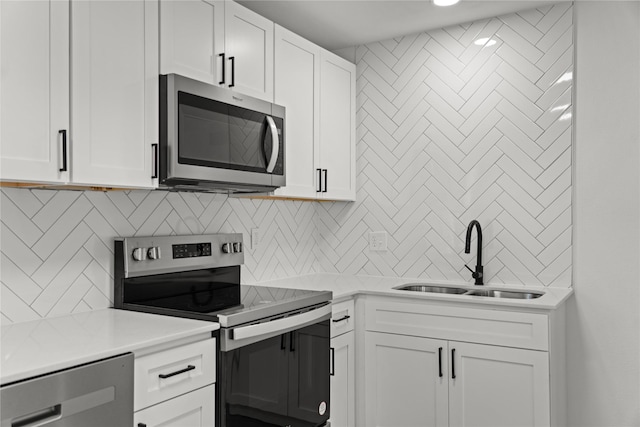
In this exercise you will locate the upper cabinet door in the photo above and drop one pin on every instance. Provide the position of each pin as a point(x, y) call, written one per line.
point(337, 127)
point(34, 90)
point(114, 92)
point(297, 88)
point(249, 52)
point(192, 39)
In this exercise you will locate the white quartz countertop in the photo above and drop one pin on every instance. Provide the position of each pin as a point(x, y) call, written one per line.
point(41, 346)
point(346, 286)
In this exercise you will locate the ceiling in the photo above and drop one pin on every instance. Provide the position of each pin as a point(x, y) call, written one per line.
point(336, 24)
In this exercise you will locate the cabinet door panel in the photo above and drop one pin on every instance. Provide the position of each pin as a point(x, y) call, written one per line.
point(297, 66)
point(191, 38)
point(194, 409)
point(343, 381)
point(337, 127)
point(249, 41)
point(403, 386)
point(34, 89)
point(114, 91)
point(498, 386)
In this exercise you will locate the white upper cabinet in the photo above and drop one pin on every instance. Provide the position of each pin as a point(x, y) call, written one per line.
point(337, 128)
point(114, 92)
point(317, 88)
point(297, 88)
point(249, 52)
point(192, 39)
point(218, 42)
point(34, 90)
point(112, 76)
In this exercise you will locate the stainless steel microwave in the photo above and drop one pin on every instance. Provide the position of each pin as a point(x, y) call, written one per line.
point(213, 139)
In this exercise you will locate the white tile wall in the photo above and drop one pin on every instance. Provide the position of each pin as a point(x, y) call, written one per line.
point(448, 131)
point(57, 246)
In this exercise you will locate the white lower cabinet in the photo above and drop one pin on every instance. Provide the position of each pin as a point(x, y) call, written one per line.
point(498, 386)
point(343, 379)
point(193, 409)
point(404, 388)
point(419, 372)
point(176, 386)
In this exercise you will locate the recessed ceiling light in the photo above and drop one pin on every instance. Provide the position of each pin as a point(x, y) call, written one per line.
point(445, 2)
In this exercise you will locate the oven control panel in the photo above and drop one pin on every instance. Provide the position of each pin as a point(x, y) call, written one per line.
point(204, 251)
point(188, 250)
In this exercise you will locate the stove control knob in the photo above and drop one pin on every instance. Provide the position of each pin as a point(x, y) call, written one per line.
point(154, 253)
point(227, 248)
point(139, 254)
point(237, 247)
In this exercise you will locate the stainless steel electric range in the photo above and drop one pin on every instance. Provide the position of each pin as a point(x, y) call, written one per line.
point(273, 363)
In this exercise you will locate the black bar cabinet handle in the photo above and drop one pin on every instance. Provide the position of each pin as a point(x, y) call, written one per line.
point(325, 180)
point(224, 67)
point(142, 425)
point(345, 317)
point(292, 344)
point(333, 362)
point(440, 362)
point(233, 71)
point(319, 189)
point(154, 150)
point(283, 343)
point(453, 363)
point(181, 371)
point(64, 150)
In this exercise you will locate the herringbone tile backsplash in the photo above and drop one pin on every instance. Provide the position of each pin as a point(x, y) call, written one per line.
point(467, 122)
point(450, 129)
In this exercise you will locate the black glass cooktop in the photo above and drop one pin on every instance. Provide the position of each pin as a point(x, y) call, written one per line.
point(214, 294)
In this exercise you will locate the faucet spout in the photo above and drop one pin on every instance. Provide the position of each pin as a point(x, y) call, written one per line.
point(478, 273)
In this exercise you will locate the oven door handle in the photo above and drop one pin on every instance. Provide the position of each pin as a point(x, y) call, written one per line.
point(285, 324)
point(275, 144)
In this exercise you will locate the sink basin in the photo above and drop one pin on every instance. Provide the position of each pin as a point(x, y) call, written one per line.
point(417, 287)
point(492, 293)
point(505, 294)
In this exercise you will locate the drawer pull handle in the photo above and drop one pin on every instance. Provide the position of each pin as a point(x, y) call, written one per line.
point(341, 319)
point(440, 362)
point(181, 371)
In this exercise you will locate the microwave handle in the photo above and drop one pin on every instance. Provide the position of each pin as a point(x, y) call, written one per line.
point(275, 145)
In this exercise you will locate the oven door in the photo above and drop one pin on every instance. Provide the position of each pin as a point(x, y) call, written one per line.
point(282, 380)
point(213, 134)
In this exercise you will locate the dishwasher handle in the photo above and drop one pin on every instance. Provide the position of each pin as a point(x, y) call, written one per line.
point(39, 418)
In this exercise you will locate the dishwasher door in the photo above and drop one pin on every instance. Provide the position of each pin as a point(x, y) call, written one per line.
point(98, 394)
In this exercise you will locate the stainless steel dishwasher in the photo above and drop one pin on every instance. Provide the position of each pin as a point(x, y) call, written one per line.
point(98, 394)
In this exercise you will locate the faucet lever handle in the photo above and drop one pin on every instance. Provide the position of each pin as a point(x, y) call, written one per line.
point(469, 268)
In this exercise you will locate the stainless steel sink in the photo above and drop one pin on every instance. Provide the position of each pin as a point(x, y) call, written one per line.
point(504, 294)
point(492, 293)
point(417, 287)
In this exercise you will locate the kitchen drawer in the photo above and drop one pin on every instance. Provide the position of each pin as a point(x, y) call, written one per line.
point(457, 322)
point(342, 317)
point(184, 368)
point(195, 409)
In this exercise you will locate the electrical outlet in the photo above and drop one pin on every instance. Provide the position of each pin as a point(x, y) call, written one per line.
point(378, 241)
point(255, 237)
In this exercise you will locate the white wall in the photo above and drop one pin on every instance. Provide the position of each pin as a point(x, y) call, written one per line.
point(603, 318)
